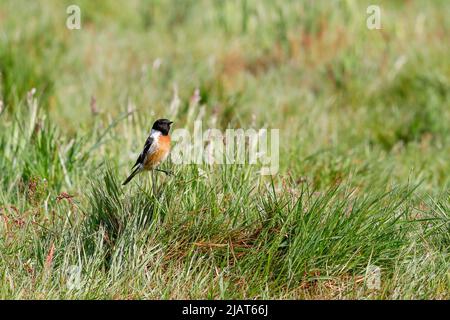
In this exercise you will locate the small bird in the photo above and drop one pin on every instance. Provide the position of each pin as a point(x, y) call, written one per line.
point(156, 149)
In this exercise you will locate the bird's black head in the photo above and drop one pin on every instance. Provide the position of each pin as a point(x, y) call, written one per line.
point(162, 125)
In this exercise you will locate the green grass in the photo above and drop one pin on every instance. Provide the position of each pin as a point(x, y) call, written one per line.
point(364, 179)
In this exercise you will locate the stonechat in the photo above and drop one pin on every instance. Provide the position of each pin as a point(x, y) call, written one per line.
point(156, 149)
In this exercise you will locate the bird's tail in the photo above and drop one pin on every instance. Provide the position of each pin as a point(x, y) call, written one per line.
point(135, 172)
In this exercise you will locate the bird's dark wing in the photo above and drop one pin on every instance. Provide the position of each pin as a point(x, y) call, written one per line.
point(141, 158)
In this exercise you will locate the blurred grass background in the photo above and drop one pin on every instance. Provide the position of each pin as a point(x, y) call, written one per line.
point(367, 110)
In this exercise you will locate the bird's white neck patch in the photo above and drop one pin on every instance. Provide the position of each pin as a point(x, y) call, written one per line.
point(155, 134)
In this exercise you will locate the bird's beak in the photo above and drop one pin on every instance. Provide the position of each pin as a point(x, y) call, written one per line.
point(170, 122)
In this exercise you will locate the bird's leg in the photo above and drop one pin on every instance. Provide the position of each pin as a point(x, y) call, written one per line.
point(169, 173)
point(153, 183)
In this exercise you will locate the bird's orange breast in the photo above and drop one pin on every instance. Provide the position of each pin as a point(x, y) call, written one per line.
point(159, 154)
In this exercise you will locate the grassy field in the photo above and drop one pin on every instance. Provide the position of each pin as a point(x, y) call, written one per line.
point(362, 194)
